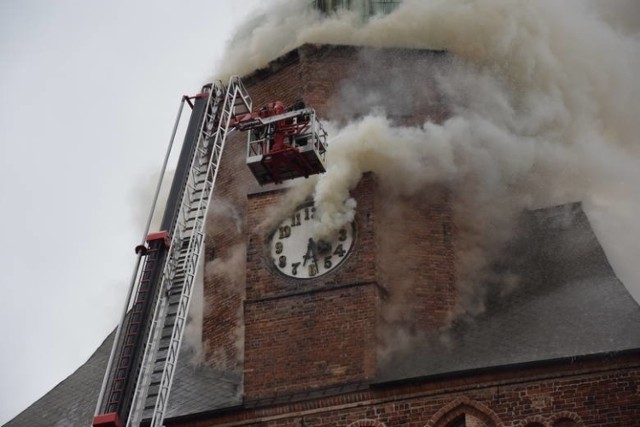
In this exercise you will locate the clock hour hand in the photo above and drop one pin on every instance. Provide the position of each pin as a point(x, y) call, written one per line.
point(312, 251)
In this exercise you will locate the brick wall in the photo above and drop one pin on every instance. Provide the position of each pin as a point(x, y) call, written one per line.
point(302, 339)
point(313, 333)
point(310, 340)
point(225, 254)
point(224, 284)
point(326, 78)
point(598, 393)
point(415, 239)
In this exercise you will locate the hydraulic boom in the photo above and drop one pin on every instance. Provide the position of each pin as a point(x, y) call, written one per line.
point(282, 144)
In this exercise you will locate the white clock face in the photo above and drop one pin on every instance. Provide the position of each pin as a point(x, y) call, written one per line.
point(297, 254)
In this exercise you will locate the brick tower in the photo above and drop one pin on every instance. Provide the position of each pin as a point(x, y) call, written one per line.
point(299, 334)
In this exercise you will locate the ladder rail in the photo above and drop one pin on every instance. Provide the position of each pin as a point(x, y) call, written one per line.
point(161, 307)
point(151, 347)
point(133, 283)
point(234, 90)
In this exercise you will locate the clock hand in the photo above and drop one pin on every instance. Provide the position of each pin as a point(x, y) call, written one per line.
point(312, 250)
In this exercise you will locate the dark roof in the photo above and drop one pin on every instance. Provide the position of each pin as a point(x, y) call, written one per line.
point(72, 402)
point(568, 303)
point(200, 388)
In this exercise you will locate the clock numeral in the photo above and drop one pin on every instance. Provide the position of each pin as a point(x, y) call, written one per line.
point(294, 268)
point(342, 235)
point(284, 232)
point(279, 247)
point(282, 261)
point(339, 250)
point(309, 213)
point(313, 269)
point(327, 262)
point(295, 220)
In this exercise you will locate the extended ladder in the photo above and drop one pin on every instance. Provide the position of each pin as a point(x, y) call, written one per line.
point(158, 302)
point(161, 354)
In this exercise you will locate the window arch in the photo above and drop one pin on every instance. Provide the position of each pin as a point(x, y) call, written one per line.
point(566, 419)
point(535, 421)
point(462, 412)
point(366, 423)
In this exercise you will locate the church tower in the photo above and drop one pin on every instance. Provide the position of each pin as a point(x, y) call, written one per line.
point(315, 315)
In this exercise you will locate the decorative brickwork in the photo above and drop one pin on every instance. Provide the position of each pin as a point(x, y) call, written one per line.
point(582, 392)
point(567, 419)
point(534, 421)
point(366, 423)
point(466, 411)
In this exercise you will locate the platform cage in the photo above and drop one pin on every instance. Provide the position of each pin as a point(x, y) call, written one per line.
point(288, 146)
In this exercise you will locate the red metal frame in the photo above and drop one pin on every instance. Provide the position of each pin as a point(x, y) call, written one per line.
point(160, 235)
point(278, 153)
point(291, 158)
point(196, 96)
point(107, 420)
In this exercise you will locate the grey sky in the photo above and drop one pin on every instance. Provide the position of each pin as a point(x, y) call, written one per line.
point(89, 92)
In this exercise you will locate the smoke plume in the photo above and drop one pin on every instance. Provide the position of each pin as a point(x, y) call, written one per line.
point(544, 105)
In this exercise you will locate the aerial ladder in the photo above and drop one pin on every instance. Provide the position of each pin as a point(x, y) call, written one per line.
point(282, 143)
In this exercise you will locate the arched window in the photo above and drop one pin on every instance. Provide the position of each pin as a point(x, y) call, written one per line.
point(458, 422)
point(463, 412)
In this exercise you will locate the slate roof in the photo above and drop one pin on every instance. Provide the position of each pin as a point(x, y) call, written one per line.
point(200, 388)
point(568, 303)
point(72, 402)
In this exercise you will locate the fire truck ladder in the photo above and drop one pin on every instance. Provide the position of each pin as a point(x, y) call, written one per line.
point(137, 382)
point(170, 314)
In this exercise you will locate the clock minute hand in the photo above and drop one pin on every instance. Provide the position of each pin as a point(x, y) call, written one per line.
point(312, 250)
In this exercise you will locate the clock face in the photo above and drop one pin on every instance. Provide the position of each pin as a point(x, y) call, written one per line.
point(297, 254)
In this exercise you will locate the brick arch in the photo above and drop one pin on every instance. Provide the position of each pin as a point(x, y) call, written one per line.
point(566, 416)
point(366, 423)
point(464, 405)
point(535, 421)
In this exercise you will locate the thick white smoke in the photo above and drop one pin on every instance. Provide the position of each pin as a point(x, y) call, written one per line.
point(544, 100)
